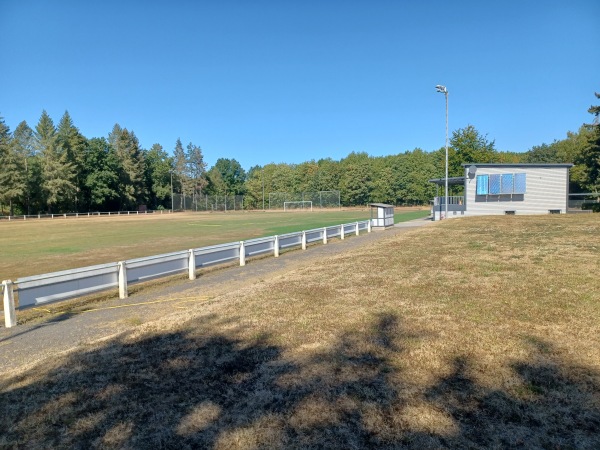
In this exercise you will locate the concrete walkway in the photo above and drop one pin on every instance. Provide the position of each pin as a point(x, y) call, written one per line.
point(31, 342)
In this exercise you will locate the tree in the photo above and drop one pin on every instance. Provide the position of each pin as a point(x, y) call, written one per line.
point(102, 183)
point(71, 143)
point(417, 168)
point(253, 187)
point(469, 147)
point(196, 170)
point(355, 182)
point(386, 178)
point(131, 161)
point(327, 175)
point(57, 173)
point(158, 176)
point(23, 146)
point(12, 169)
point(590, 155)
point(180, 170)
point(227, 177)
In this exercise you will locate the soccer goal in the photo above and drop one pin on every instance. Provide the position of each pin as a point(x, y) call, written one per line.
point(305, 205)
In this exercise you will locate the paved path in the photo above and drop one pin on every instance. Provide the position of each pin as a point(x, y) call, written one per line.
point(25, 344)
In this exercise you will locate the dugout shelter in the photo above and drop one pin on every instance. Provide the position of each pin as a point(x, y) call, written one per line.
point(382, 216)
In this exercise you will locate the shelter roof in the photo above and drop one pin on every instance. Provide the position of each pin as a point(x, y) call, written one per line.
point(380, 205)
point(452, 181)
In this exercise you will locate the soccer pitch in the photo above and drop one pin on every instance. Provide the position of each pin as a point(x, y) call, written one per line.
point(40, 246)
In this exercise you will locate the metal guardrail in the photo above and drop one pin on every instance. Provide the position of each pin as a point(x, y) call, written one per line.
point(51, 287)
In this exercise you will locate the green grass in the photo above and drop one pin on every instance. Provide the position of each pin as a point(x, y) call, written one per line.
point(40, 246)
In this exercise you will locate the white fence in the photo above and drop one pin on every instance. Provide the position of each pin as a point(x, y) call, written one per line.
point(87, 214)
point(51, 287)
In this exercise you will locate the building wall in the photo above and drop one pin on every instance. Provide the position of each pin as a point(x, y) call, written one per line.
point(547, 189)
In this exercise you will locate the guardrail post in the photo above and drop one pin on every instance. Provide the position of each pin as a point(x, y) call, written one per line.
point(122, 280)
point(324, 235)
point(192, 265)
point(357, 233)
point(10, 318)
point(276, 247)
point(242, 254)
point(369, 226)
point(304, 240)
point(342, 231)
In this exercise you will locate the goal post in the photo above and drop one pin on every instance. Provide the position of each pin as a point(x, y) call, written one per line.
point(319, 199)
point(299, 205)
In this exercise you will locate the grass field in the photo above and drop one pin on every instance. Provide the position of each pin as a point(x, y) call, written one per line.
point(41, 246)
point(471, 333)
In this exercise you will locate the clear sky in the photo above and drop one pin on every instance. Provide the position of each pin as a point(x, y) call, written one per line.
point(289, 81)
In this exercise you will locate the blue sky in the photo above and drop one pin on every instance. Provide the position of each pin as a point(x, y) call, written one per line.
point(289, 81)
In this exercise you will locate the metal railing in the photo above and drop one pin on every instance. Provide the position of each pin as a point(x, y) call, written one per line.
point(51, 287)
point(452, 200)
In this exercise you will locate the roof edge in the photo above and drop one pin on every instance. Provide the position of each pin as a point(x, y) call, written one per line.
point(517, 165)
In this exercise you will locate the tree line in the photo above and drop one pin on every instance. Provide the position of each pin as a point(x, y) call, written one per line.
point(57, 169)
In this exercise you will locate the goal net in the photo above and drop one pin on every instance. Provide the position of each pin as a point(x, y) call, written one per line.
point(301, 205)
point(319, 199)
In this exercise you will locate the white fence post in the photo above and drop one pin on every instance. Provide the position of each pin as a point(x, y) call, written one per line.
point(276, 247)
point(304, 240)
point(10, 318)
point(369, 226)
point(242, 254)
point(192, 265)
point(342, 231)
point(122, 280)
point(357, 233)
point(324, 235)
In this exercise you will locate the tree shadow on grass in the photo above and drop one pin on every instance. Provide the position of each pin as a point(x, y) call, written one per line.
point(204, 386)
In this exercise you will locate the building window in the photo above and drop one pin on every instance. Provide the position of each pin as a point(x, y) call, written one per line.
point(482, 184)
point(520, 183)
point(506, 183)
point(495, 184)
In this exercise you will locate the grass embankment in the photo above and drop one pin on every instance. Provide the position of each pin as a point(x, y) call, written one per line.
point(40, 246)
point(474, 333)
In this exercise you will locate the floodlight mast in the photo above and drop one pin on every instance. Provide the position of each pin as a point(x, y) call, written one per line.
point(443, 90)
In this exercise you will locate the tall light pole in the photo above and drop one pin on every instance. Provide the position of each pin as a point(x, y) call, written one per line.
point(444, 91)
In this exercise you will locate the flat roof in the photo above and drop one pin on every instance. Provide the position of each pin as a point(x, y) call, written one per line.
point(381, 205)
point(517, 165)
point(452, 181)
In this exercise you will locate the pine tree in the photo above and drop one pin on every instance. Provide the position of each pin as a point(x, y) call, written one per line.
point(131, 178)
point(57, 173)
point(180, 171)
point(71, 143)
point(23, 145)
point(12, 171)
point(196, 169)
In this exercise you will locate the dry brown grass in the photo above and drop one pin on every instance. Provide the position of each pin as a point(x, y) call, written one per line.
point(475, 333)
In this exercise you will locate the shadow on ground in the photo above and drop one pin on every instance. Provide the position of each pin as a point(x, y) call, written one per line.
point(202, 387)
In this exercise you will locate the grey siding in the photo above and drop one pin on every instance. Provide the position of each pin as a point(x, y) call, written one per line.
point(546, 190)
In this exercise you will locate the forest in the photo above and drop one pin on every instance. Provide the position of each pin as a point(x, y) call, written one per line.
point(55, 169)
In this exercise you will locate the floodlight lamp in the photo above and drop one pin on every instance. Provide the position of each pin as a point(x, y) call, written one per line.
point(441, 88)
